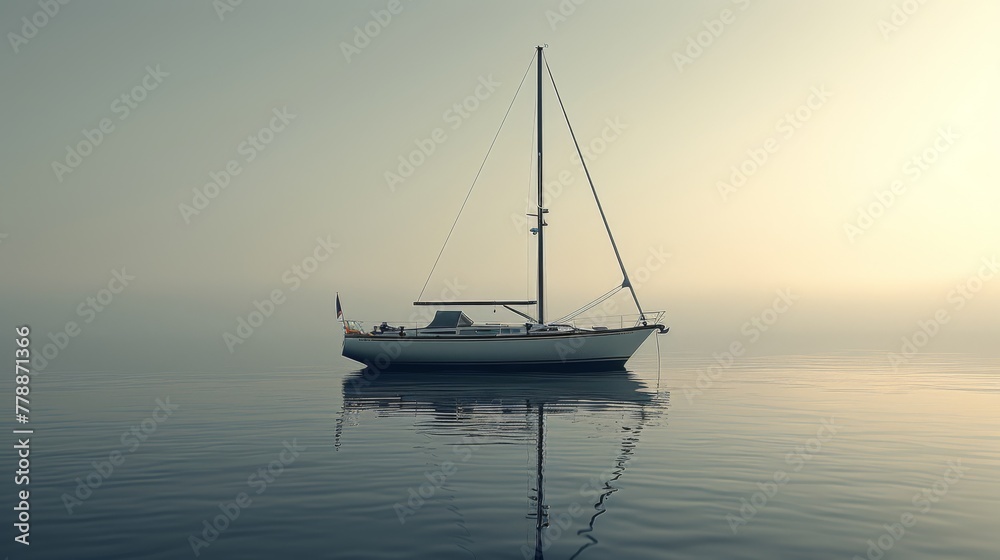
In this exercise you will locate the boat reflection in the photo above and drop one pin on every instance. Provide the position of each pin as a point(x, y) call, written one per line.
point(520, 404)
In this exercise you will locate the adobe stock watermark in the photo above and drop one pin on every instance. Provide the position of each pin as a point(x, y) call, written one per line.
point(767, 490)
point(87, 310)
point(611, 132)
point(131, 440)
point(32, 25)
point(914, 168)
point(258, 481)
point(696, 44)
point(562, 13)
point(655, 260)
point(364, 34)
point(557, 525)
point(291, 277)
point(454, 116)
point(122, 106)
point(597, 488)
point(591, 150)
point(435, 479)
point(223, 7)
point(383, 360)
point(752, 330)
point(608, 309)
point(785, 129)
point(900, 16)
point(249, 149)
point(958, 297)
point(923, 502)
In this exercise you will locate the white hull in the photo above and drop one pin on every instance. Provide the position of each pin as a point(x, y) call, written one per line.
point(571, 350)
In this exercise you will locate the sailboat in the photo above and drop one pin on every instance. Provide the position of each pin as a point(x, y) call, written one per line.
point(453, 340)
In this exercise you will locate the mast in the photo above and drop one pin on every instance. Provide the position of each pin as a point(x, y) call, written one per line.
point(541, 208)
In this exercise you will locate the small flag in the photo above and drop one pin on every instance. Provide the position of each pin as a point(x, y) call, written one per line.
point(340, 312)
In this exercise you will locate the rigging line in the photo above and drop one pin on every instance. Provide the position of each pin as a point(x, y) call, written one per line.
point(473, 186)
point(626, 283)
point(590, 305)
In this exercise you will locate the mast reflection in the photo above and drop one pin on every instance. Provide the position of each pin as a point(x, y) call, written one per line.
point(520, 403)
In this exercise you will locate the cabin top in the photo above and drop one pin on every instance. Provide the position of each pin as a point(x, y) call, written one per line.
point(450, 319)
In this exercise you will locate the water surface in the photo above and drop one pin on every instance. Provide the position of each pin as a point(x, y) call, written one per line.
point(780, 457)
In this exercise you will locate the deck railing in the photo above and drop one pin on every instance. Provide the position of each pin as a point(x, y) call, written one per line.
point(617, 321)
point(412, 328)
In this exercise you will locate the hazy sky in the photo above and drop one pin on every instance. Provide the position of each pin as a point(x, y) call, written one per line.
point(824, 106)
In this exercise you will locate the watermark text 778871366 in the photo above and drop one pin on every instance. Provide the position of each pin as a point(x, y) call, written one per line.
point(22, 445)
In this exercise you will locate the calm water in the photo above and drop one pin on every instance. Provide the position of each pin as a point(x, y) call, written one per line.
point(790, 457)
